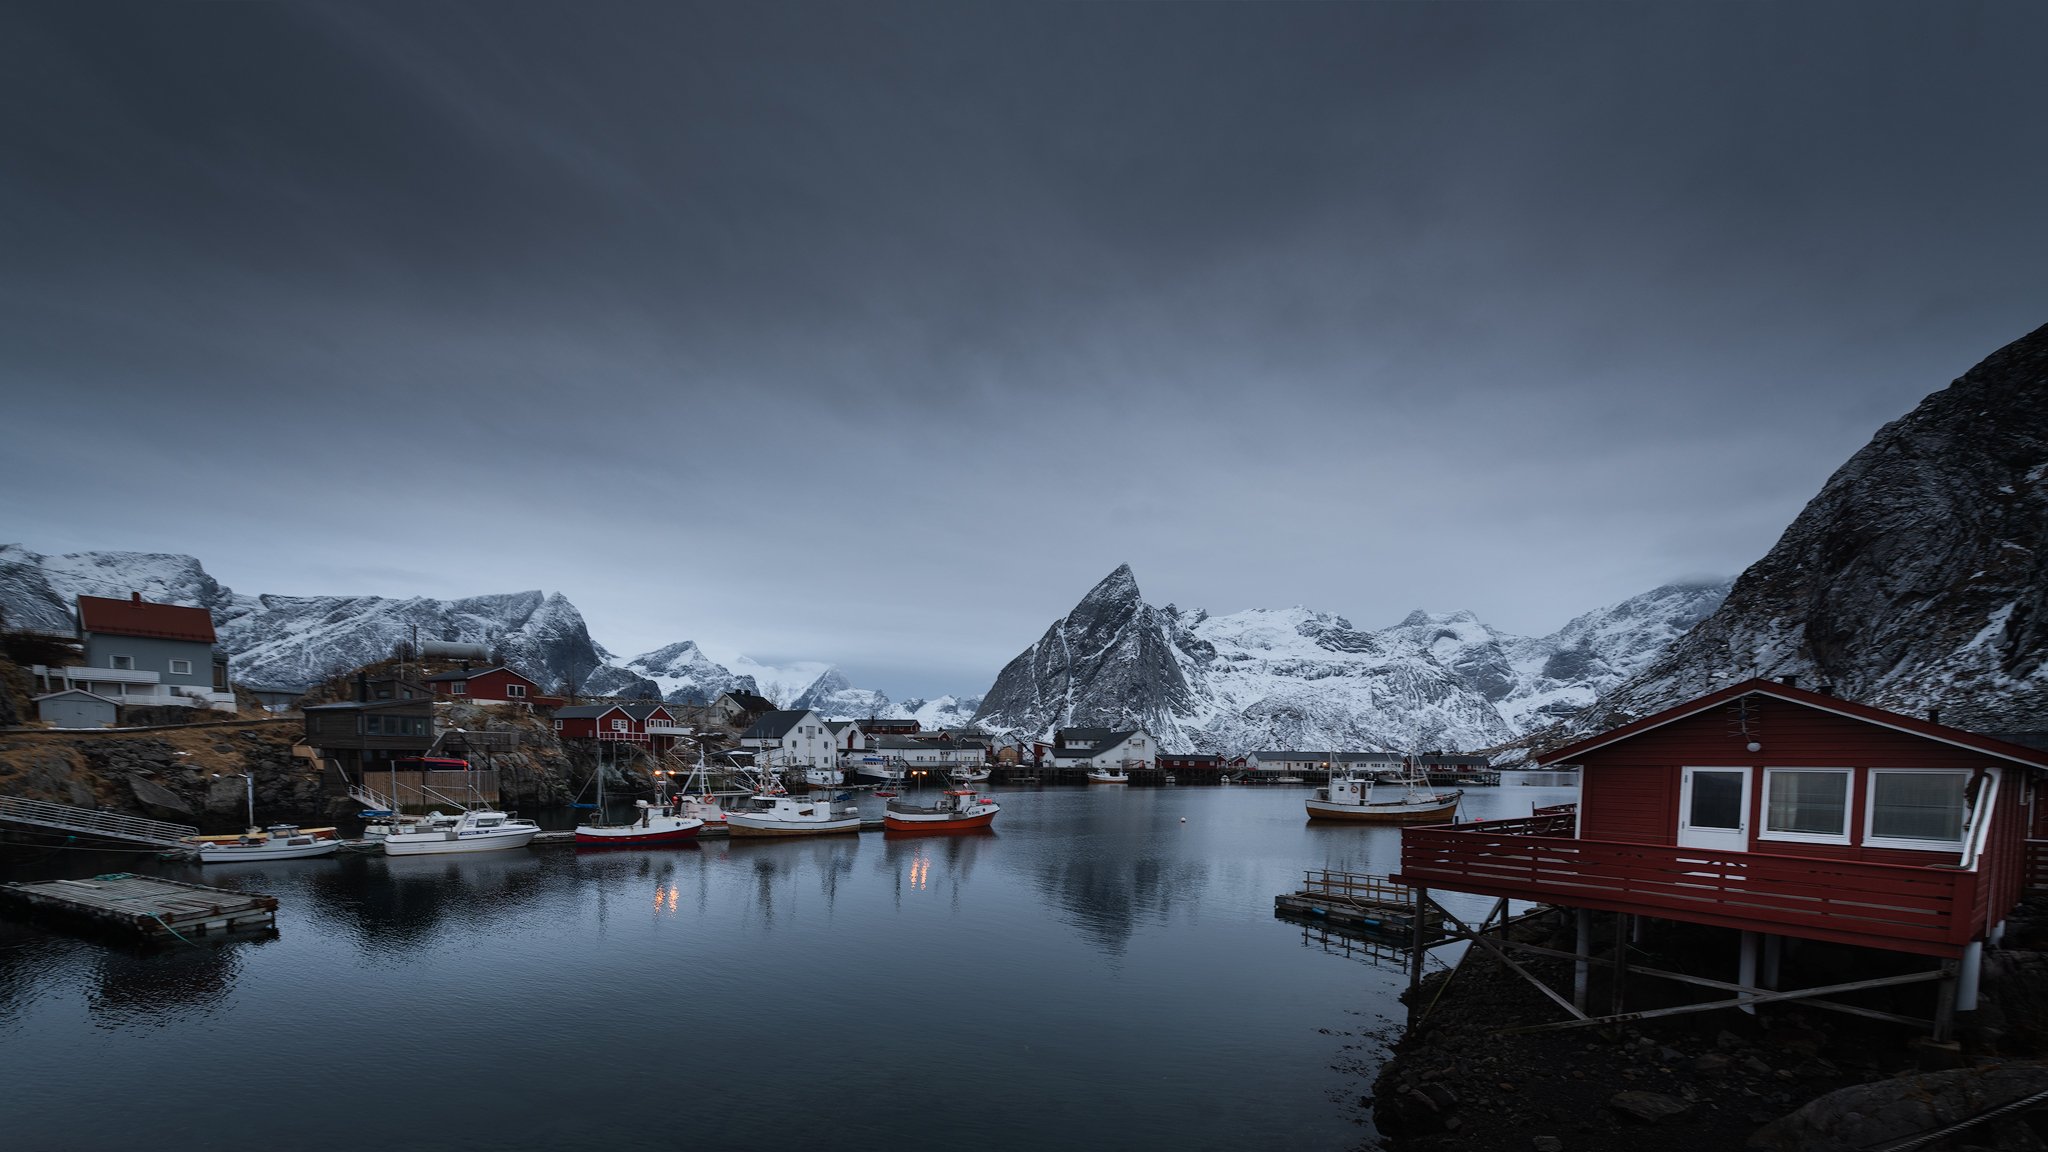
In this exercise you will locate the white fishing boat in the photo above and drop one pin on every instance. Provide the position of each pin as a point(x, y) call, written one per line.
point(881, 769)
point(1108, 776)
point(652, 825)
point(969, 774)
point(276, 842)
point(823, 777)
point(956, 810)
point(781, 815)
point(477, 830)
point(1355, 796)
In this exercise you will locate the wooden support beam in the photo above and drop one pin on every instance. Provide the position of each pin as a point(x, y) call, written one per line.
point(1620, 960)
point(1500, 953)
point(1580, 959)
point(1421, 945)
point(1754, 996)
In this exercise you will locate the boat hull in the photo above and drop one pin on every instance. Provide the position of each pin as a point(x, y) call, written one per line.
point(743, 826)
point(1092, 779)
point(225, 853)
point(404, 844)
point(891, 822)
point(587, 837)
point(1382, 813)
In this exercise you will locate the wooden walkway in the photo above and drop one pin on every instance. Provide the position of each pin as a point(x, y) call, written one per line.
point(152, 907)
point(1357, 901)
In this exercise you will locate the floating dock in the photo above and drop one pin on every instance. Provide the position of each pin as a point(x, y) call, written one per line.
point(146, 905)
point(1356, 901)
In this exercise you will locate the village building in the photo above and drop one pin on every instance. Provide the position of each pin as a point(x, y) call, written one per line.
point(389, 719)
point(740, 709)
point(495, 685)
point(791, 738)
point(1283, 763)
point(142, 654)
point(644, 723)
point(875, 726)
point(847, 736)
point(77, 708)
point(1128, 749)
point(930, 753)
point(1371, 762)
point(1778, 813)
point(1190, 762)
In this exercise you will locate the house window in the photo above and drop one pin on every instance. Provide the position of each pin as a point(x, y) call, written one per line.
point(181, 667)
point(515, 689)
point(618, 725)
point(459, 688)
point(1810, 804)
point(1910, 809)
point(127, 662)
point(558, 725)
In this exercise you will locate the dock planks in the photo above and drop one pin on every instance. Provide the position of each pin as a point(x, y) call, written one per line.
point(150, 906)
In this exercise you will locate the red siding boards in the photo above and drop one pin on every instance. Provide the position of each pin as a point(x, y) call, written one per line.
point(1626, 858)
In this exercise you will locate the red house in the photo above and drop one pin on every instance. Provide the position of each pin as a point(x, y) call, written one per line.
point(645, 723)
point(499, 685)
point(1776, 812)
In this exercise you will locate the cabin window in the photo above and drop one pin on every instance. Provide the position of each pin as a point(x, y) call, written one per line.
point(459, 688)
point(1911, 809)
point(618, 725)
point(127, 662)
point(515, 689)
point(1810, 804)
point(181, 667)
point(558, 725)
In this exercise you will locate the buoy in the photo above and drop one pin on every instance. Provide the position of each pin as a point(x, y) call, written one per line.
point(1183, 819)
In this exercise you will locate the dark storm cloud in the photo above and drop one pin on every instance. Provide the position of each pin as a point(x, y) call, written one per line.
point(900, 326)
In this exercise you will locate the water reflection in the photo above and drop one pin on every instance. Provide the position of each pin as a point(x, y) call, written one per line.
point(161, 986)
point(926, 863)
point(393, 905)
point(772, 862)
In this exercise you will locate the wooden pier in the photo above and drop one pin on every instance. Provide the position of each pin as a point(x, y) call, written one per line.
point(154, 908)
point(1356, 901)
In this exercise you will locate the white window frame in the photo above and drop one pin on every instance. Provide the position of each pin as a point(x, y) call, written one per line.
point(1850, 801)
point(515, 690)
point(181, 667)
point(620, 725)
point(121, 663)
point(558, 725)
point(1870, 813)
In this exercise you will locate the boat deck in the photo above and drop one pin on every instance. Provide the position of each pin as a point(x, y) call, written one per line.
point(150, 906)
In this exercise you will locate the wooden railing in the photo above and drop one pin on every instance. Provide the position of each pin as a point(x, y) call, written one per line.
point(1923, 910)
point(1359, 887)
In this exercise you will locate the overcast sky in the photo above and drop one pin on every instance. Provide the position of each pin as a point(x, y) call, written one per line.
point(877, 335)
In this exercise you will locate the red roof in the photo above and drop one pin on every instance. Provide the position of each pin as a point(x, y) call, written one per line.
point(138, 617)
point(2033, 757)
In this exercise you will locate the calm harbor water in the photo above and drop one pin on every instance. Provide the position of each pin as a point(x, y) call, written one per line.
point(1104, 969)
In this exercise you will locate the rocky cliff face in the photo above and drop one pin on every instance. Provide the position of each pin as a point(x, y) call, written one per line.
point(685, 675)
point(1917, 578)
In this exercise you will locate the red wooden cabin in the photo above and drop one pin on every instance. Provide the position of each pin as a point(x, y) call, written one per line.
point(1770, 809)
point(645, 723)
point(490, 686)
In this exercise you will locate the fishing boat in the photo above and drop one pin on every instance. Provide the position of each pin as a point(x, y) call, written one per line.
point(1108, 776)
point(477, 830)
point(276, 842)
point(956, 810)
point(969, 774)
point(782, 815)
point(654, 824)
point(1356, 797)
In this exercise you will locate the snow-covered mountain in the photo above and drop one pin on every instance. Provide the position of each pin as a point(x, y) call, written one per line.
point(1298, 678)
point(685, 675)
point(1917, 578)
point(297, 640)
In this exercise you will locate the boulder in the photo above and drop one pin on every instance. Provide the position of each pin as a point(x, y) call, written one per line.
point(157, 799)
point(1868, 1115)
point(1649, 1107)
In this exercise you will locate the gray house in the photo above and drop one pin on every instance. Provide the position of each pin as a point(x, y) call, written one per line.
point(76, 708)
point(139, 653)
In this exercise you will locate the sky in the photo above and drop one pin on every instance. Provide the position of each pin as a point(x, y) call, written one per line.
point(877, 334)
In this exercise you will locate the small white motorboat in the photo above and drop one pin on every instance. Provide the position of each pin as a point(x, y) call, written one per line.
point(969, 774)
point(277, 842)
point(1108, 776)
point(477, 830)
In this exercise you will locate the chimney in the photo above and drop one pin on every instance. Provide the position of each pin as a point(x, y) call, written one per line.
point(362, 688)
point(135, 597)
point(465, 665)
point(1826, 688)
point(1789, 681)
point(1934, 715)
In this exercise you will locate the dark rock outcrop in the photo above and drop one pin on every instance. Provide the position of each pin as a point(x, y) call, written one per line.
point(1878, 1114)
point(1916, 579)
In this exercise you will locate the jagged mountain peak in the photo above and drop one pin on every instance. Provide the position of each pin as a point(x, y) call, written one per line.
point(1917, 577)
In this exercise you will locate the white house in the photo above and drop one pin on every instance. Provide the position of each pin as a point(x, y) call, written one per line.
point(930, 753)
point(1282, 763)
point(791, 738)
point(1105, 748)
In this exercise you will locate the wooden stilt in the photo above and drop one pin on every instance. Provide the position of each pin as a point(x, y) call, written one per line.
point(1621, 920)
point(1581, 950)
point(1945, 1002)
point(1421, 942)
point(1745, 971)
